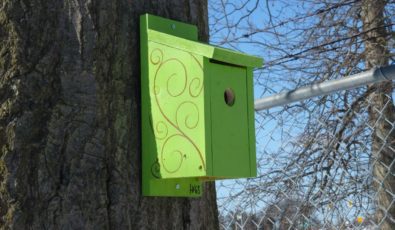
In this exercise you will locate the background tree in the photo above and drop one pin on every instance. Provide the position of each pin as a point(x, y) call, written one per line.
point(336, 151)
point(69, 117)
point(383, 143)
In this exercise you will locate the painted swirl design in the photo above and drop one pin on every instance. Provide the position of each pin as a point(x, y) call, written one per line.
point(172, 80)
point(155, 169)
point(187, 115)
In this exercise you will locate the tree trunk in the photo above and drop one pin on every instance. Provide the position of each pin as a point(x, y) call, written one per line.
point(69, 117)
point(381, 113)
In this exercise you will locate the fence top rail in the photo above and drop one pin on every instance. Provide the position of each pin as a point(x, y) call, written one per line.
point(374, 75)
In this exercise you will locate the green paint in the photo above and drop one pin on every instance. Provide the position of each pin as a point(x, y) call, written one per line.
point(208, 51)
point(189, 132)
point(229, 124)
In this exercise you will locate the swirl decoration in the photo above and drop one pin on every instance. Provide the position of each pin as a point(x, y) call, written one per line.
point(171, 76)
point(161, 130)
point(185, 112)
point(155, 169)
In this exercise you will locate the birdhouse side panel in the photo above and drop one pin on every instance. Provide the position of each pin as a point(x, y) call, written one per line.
point(177, 106)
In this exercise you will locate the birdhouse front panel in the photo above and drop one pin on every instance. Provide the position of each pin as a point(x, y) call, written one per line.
point(229, 120)
point(176, 87)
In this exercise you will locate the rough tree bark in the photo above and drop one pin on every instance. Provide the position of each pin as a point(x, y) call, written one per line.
point(381, 113)
point(69, 117)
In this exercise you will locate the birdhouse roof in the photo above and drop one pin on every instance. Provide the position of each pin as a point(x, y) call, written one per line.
point(184, 37)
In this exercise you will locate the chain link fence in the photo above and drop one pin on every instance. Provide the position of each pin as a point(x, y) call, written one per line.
point(323, 163)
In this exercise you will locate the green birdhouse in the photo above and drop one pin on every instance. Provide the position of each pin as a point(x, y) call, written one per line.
point(197, 110)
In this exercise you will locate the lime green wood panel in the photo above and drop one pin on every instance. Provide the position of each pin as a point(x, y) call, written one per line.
point(152, 182)
point(208, 51)
point(229, 123)
point(177, 110)
point(197, 110)
point(170, 27)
